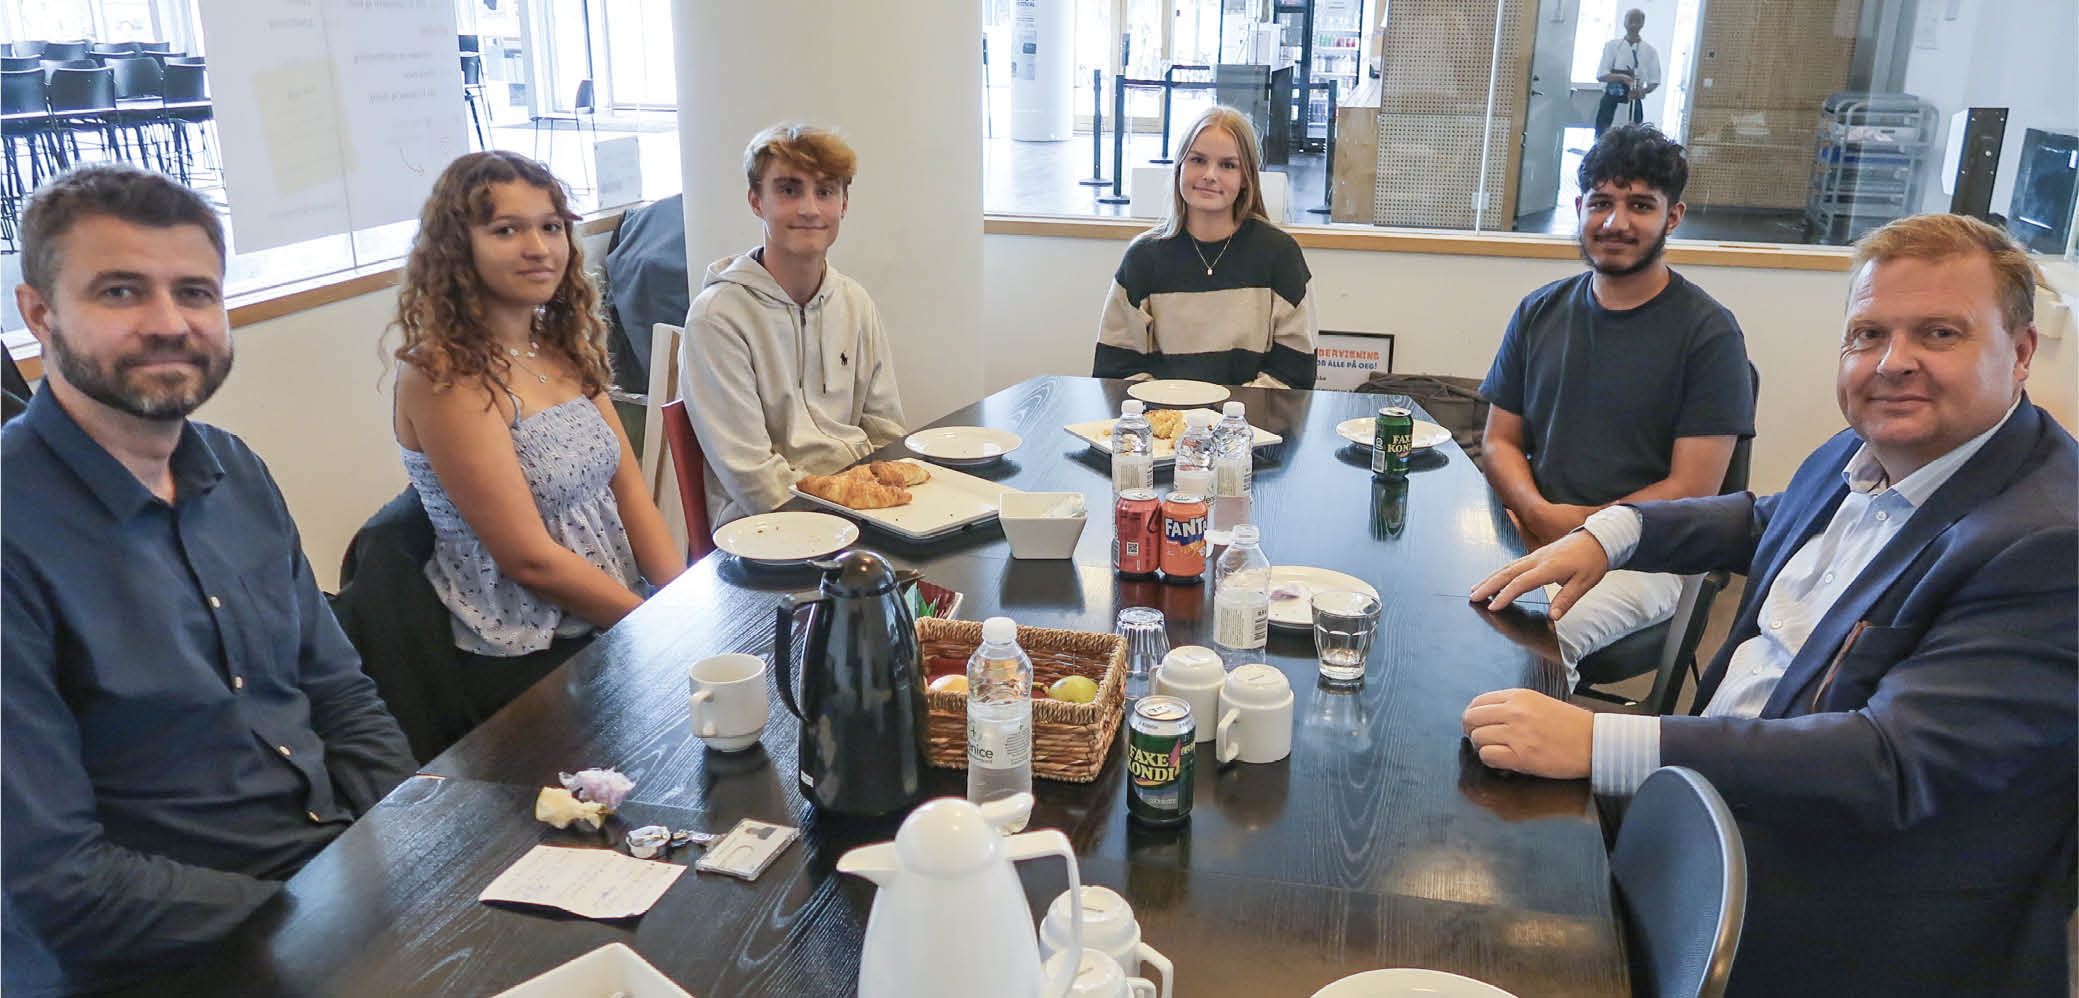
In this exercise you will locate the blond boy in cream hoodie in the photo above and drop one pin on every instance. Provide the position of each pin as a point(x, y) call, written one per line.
point(784, 367)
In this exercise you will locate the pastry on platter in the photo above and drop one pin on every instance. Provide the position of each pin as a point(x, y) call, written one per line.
point(1167, 423)
point(896, 473)
point(854, 489)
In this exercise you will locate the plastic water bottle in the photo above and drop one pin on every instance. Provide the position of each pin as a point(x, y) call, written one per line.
point(1241, 597)
point(999, 716)
point(1234, 470)
point(1194, 473)
point(1133, 449)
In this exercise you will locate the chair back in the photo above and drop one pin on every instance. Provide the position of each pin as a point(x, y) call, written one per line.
point(185, 81)
point(137, 76)
point(26, 50)
point(583, 103)
point(1681, 873)
point(472, 69)
point(21, 91)
point(469, 43)
point(58, 51)
point(17, 63)
point(112, 48)
point(687, 462)
point(159, 47)
point(173, 59)
point(51, 67)
point(82, 90)
point(394, 618)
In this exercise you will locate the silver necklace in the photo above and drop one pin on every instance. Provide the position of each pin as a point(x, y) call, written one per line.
point(533, 349)
point(1202, 253)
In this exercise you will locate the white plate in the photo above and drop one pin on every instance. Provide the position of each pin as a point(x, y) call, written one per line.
point(1298, 610)
point(1360, 431)
point(1098, 433)
point(1408, 982)
point(962, 445)
point(1177, 393)
point(786, 538)
point(945, 504)
point(612, 969)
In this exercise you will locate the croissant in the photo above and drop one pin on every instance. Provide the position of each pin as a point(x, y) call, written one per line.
point(897, 473)
point(1166, 422)
point(854, 491)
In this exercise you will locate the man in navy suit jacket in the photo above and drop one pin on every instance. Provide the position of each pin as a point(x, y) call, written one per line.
point(1892, 718)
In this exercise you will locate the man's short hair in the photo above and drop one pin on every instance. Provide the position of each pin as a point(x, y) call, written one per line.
point(117, 190)
point(816, 151)
point(1636, 153)
point(1940, 237)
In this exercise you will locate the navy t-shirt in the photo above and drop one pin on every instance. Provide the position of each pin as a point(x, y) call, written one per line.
point(1604, 394)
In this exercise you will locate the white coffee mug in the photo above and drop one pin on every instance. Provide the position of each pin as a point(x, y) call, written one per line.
point(1099, 976)
point(727, 704)
point(1108, 926)
point(1194, 673)
point(1255, 715)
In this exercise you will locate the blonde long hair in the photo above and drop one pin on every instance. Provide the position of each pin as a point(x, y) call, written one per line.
point(1249, 202)
point(439, 308)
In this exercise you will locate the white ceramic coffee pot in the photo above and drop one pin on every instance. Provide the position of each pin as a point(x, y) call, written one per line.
point(950, 920)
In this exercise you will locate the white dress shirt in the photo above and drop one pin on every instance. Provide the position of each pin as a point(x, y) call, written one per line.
point(1621, 56)
point(1626, 747)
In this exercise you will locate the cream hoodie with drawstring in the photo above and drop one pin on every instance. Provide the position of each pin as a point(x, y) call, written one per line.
point(777, 390)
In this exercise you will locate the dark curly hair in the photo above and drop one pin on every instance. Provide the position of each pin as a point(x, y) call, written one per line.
point(1636, 153)
point(439, 308)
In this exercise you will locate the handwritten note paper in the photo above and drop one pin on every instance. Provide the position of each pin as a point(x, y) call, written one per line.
point(595, 883)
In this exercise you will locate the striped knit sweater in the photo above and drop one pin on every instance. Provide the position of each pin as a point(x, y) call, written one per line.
point(1249, 322)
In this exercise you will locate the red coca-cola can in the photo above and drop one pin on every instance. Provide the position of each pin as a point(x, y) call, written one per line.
point(1137, 553)
point(1184, 537)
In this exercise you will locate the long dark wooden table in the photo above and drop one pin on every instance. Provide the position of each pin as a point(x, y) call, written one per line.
point(1380, 842)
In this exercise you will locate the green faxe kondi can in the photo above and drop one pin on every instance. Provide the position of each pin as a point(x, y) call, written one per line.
point(1393, 439)
point(1161, 751)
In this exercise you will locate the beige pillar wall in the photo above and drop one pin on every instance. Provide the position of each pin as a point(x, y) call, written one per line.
point(899, 81)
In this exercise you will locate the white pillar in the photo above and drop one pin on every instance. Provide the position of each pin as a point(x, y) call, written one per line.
point(901, 82)
point(1042, 33)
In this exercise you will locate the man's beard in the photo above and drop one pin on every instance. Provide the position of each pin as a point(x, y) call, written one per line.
point(1651, 257)
point(118, 386)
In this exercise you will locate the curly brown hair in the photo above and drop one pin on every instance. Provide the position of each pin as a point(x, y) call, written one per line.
point(439, 306)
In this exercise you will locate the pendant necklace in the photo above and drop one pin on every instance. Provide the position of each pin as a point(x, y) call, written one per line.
point(1202, 253)
point(533, 349)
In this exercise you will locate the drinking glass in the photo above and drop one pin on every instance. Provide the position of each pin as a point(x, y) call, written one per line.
point(1146, 643)
point(1344, 624)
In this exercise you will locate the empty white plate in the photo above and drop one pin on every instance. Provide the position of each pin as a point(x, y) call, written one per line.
point(786, 538)
point(1409, 982)
point(959, 445)
point(1293, 588)
point(1360, 431)
point(1181, 393)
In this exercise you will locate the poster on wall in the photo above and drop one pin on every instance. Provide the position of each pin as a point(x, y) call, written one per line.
point(332, 115)
point(1342, 360)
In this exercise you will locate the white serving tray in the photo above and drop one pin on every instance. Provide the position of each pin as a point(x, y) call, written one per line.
point(1098, 434)
point(612, 969)
point(950, 502)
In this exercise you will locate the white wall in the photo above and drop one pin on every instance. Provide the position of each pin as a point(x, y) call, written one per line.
point(309, 391)
point(2016, 54)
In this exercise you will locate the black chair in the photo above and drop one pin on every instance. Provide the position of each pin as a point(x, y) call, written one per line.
point(397, 622)
point(1681, 873)
point(582, 110)
point(51, 66)
point(83, 100)
point(473, 92)
point(1650, 649)
point(14, 389)
point(112, 49)
point(66, 50)
point(469, 43)
point(17, 63)
point(159, 47)
point(185, 88)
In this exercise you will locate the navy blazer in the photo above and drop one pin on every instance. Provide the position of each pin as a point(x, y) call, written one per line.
point(1909, 822)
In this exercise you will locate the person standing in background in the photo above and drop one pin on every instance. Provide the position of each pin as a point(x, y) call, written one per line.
point(1629, 70)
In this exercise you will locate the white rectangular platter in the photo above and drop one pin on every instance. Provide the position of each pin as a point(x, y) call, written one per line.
point(949, 502)
point(1098, 433)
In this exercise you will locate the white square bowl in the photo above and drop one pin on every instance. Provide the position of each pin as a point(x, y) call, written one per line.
point(611, 969)
point(1034, 533)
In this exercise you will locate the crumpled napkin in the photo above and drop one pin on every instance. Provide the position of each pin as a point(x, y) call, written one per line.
point(560, 807)
point(605, 787)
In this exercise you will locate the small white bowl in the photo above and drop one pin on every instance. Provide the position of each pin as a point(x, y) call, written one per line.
point(1035, 524)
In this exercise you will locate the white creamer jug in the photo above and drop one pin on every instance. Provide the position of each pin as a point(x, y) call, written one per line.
point(951, 920)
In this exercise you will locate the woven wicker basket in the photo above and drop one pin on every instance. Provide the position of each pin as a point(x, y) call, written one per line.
point(1069, 740)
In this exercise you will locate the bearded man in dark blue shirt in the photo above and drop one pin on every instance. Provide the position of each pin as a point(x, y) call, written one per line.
point(184, 724)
